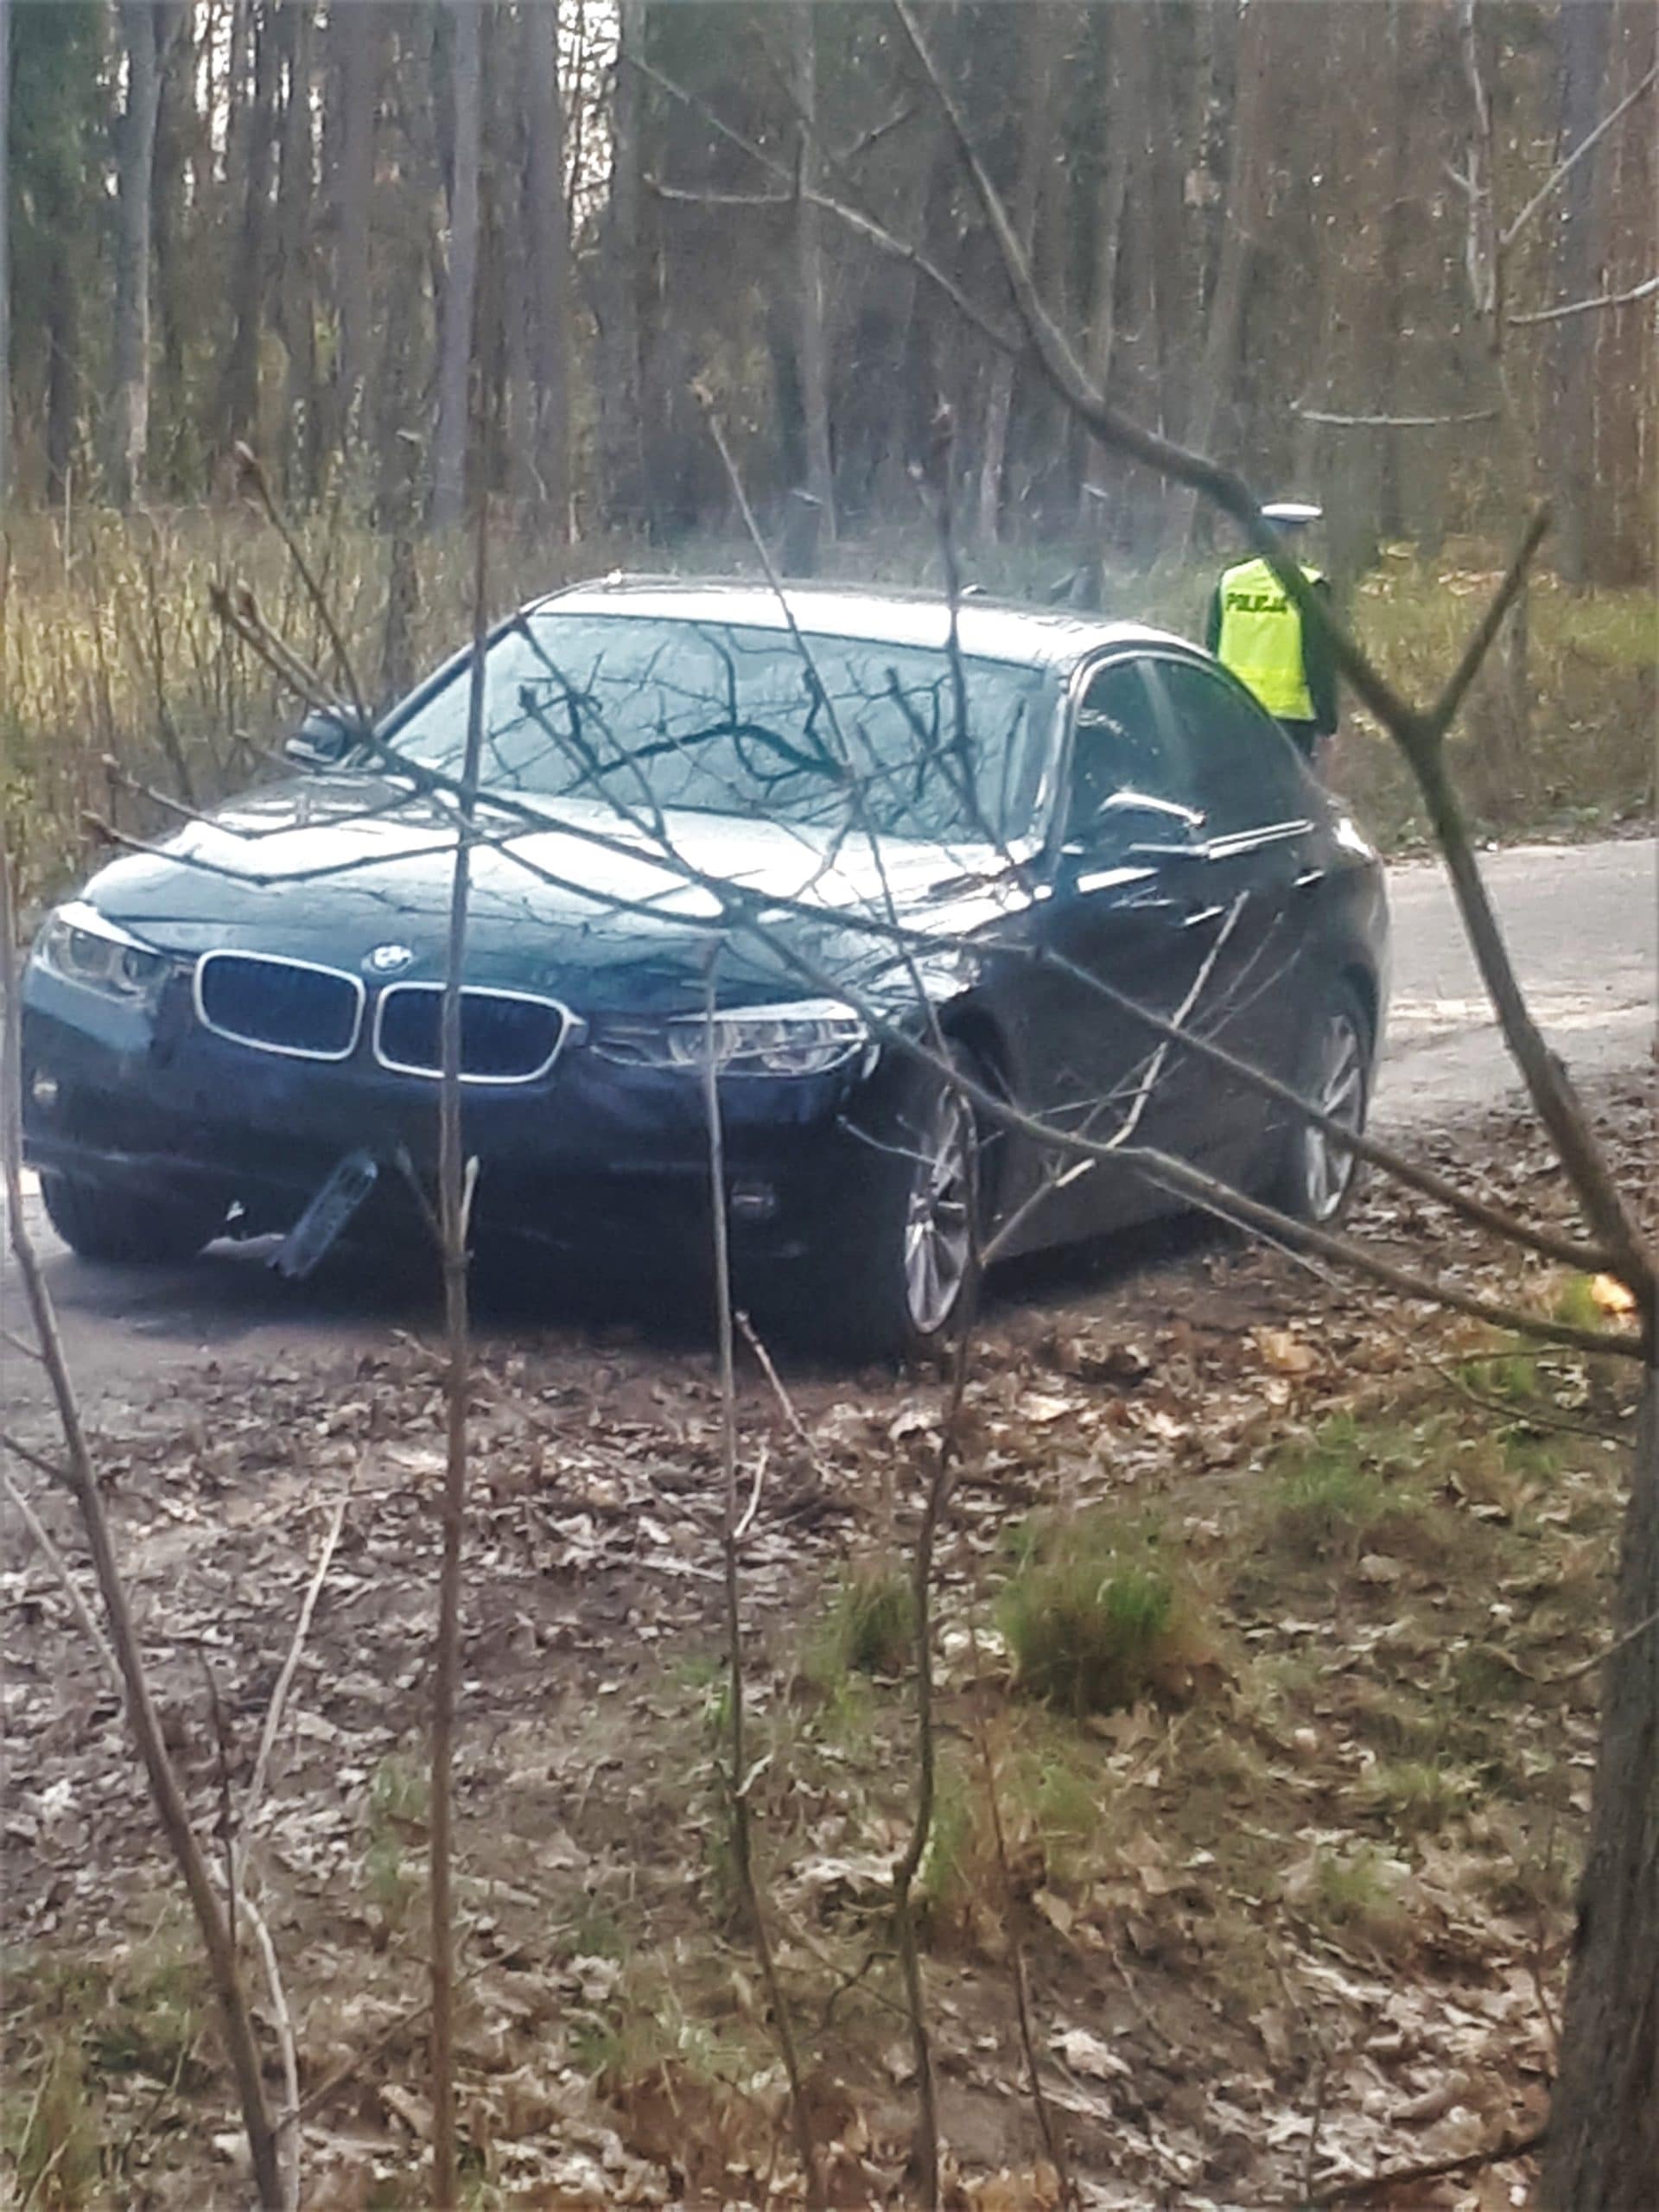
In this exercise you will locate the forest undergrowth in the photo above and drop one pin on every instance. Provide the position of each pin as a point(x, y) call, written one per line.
point(1268, 1615)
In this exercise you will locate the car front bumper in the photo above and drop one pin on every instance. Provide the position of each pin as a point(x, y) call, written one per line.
point(594, 1150)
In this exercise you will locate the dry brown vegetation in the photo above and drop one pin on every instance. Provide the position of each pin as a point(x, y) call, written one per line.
point(1291, 1882)
point(109, 649)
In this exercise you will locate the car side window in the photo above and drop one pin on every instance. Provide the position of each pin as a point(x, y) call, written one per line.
point(1244, 770)
point(1121, 743)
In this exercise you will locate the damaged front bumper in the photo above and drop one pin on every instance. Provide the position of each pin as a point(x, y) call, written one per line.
point(154, 1101)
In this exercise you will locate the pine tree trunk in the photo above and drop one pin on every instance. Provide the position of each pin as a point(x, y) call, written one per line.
point(547, 256)
point(239, 406)
point(127, 426)
point(1585, 31)
point(809, 281)
point(1602, 2151)
point(461, 283)
point(621, 437)
point(1102, 320)
point(294, 281)
point(1041, 39)
point(1243, 224)
point(354, 31)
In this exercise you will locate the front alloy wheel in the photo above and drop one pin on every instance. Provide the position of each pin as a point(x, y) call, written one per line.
point(1320, 1170)
point(939, 1220)
point(902, 1270)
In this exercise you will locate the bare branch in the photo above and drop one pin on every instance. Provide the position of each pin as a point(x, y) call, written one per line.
point(53, 1470)
point(1393, 421)
point(452, 1194)
point(1600, 1658)
point(60, 1567)
point(290, 2140)
point(787, 1404)
point(1444, 711)
point(731, 1536)
point(876, 234)
point(681, 195)
point(166, 1794)
point(1389, 2178)
point(275, 1709)
point(1644, 291)
point(253, 472)
point(1563, 169)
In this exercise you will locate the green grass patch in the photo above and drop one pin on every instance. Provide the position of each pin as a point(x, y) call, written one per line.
point(1416, 1797)
point(1096, 1616)
point(869, 1629)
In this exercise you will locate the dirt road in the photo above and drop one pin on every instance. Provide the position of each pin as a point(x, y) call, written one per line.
point(1583, 922)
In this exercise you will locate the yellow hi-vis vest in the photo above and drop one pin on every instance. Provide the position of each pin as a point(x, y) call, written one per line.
point(1260, 639)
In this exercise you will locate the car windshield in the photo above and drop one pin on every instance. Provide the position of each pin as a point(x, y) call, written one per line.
point(655, 715)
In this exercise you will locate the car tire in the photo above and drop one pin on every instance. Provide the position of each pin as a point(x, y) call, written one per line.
point(904, 1279)
point(101, 1221)
point(1313, 1177)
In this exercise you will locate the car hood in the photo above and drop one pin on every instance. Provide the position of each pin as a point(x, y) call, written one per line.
point(332, 867)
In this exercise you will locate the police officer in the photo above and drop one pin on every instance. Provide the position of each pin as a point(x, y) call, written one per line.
point(1252, 629)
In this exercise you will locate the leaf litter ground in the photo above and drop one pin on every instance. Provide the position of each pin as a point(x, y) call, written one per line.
point(1292, 1904)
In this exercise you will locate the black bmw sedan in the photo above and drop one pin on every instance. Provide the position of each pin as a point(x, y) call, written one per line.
point(881, 845)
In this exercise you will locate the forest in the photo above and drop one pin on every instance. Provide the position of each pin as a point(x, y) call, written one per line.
point(518, 1726)
point(1329, 244)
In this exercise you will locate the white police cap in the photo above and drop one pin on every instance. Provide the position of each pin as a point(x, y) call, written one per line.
point(1291, 514)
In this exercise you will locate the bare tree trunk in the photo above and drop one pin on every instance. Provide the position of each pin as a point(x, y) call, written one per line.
point(547, 256)
point(1241, 234)
point(238, 404)
point(62, 353)
point(295, 283)
point(1154, 209)
point(461, 283)
point(809, 279)
point(1602, 2149)
point(128, 429)
point(354, 30)
point(1101, 344)
point(1627, 359)
point(176, 433)
point(512, 125)
point(1585, 31)
point(1042, 28)
point(6, 268)
point(454, 1208)
point(621, 436)
point(1390, 518)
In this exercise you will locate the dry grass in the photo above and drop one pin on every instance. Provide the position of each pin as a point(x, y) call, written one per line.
point(108, 647)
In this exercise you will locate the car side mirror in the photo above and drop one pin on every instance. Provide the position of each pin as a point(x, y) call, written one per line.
point(1129, 823)
point(322, 740)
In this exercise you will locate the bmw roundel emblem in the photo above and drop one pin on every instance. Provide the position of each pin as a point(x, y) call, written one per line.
point(389, 960)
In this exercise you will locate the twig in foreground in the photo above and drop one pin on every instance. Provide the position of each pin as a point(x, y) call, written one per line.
point(731, 1523)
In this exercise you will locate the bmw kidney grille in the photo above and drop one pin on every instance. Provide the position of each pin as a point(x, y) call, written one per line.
point(506, 1036)
point(280, 1006)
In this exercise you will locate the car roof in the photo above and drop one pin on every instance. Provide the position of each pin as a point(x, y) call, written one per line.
point(989, 629)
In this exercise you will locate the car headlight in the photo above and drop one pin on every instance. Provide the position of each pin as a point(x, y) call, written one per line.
point(805, 1037)
point(77, 943)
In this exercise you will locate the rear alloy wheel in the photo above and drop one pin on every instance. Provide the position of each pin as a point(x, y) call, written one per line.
point(1317, 1180)
point(102, 1221)
point(905, 1274)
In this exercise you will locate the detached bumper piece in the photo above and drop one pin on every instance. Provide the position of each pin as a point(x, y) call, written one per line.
point(328, 1214)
